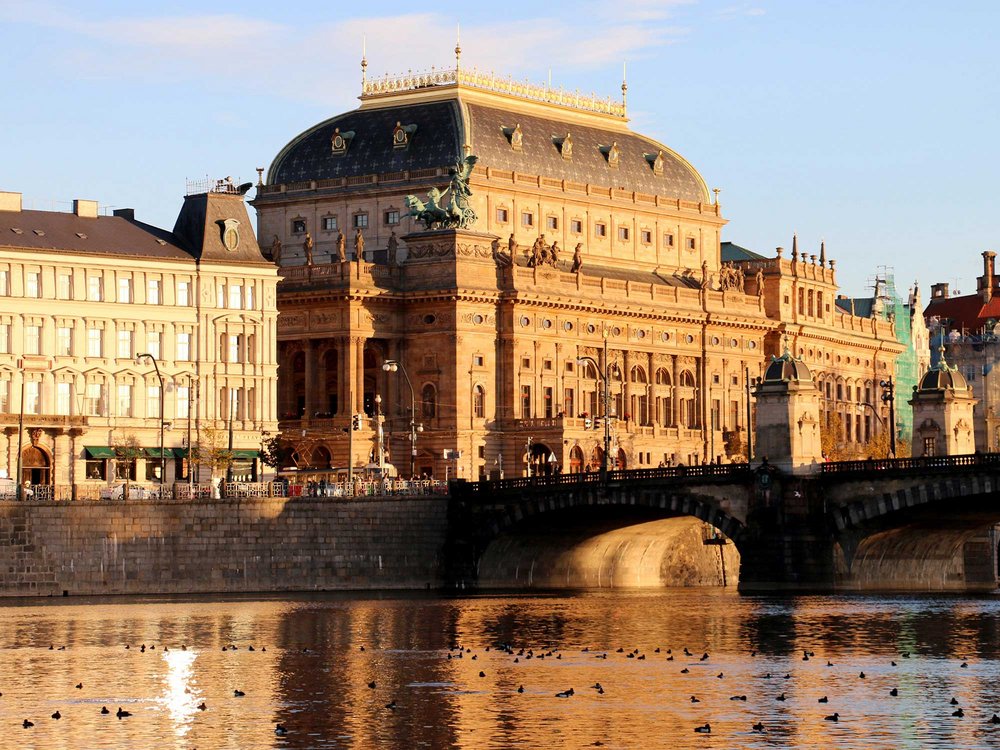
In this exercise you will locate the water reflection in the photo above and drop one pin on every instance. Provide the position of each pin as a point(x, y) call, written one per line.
point(313, 659)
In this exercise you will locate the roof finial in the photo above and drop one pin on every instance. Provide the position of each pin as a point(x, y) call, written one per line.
point(795, 246)
point(624, 84)
point(364, 62)
point(822, 253)
point(458, 46)
point(716, 191)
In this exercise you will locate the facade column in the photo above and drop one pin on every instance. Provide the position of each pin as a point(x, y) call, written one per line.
point(309, 346)
point(62, 459)
point(650, 391)
point(8, 443)
point(359, 374)
point(343, 376)
point(674, 394)
point(627, 385)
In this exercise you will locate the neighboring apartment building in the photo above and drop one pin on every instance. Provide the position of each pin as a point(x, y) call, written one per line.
point(82, 295)
point(616, 244)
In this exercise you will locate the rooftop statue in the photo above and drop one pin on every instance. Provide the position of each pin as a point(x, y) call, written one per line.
point(457, 214)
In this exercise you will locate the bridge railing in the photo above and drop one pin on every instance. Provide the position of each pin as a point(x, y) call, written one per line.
point(707, 471)
point(924, 463)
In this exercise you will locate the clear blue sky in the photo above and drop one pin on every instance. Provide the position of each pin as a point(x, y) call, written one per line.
point(872, 125)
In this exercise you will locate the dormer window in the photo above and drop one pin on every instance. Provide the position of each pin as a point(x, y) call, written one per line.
point(340, 141)
point(401, 135)
point(612, 153)
point(656, 162)
point(514, 136)
point(565, 146)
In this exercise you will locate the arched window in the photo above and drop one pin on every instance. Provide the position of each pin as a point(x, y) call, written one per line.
point(662, 377)
point(428, 399)
point(637, 375)
point(479, 402)
point(687, 379)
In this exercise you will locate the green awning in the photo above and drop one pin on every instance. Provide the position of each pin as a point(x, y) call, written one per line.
point(99, 451)
point(155, 452)
point(246, 455)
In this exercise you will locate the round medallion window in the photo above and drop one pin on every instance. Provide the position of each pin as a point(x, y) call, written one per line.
point(665, 336)
point(715, 340)
point(751, 345)
point(591, 328)
point(477, 318)
point(568, 326)
point(734, 343)
point(617, 331)
point(546, 323)
point(689, 338)
point(525, 321)
point(640, 334)
point(428, 319)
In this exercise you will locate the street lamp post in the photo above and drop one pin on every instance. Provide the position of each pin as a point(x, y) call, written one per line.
point(159, 376)
point(392, 365)
point(889, 397)
point(603, 372)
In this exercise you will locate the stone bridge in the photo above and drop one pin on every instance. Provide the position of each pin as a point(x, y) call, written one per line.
point(900, 524)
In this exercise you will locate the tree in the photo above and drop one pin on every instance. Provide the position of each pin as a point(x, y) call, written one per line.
point(831, 438)
point(127, 449)
point(211, 452)
point(277, 453)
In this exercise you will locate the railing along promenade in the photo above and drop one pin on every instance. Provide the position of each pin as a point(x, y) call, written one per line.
point(926, 464)
point(206, 492)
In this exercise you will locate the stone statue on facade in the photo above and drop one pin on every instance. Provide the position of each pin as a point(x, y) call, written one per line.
point(706, 277)
point(501, 259)
point(511, 245)
point(458, 213)
point(577, 258)
point(759, 278)
point(359, 246)
point(554, 253)
point(276, 251)
point(307, 248)
point(537, 257)
point(391, 248)
point(341, 247)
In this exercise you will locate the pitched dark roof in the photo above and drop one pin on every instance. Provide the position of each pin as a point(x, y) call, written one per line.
point(733, 252)
point(861, 307)
point(104, 235)
point(436, 142)
point(540, 154)
point(965, 312)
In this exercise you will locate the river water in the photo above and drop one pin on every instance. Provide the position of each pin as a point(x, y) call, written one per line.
point(313, 658)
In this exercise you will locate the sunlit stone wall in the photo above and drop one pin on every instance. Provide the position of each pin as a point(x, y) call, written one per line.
point(248, 545)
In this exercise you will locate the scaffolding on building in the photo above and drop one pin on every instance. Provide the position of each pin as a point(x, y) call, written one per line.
point(891, 307)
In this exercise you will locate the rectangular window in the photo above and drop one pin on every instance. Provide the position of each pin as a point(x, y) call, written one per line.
point(33, 284)
point(525, 402)
point(551, 222)
point(4, 397)
point(235, 297)
point(94, 347)
point(668, 240)
point(600, 230)
point(124, 344)
point(32, 397)
point(360, 221)
point(4, 282)
point(646, 236)
point(576, 226)
point(153, 343)
point(623, 233)
point(233, 353)
point(501, 216)
point(94, 288)
point(527, 219)
point(525, 363)
point(478, 360)
point(153, 401)
point(184, 293)
point(153, 292)
point(124, 400)
point(125, 290)
point(691, 243)
point(392, 217)
point(298, 226)
point(183, 402)
point(249, 298)
point(568, 402)
point(32, 339)
point(62, 399)
point(548, 406)
point(183, 353)
point(220, 295)
point(4, 338)
point(329, 223)
point(65, 288)
point(94, 403)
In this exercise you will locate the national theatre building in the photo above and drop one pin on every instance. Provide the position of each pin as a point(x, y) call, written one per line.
point(481, 261)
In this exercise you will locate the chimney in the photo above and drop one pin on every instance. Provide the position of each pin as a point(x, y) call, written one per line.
point(125, 213)
point(10, 201)
point(986, 283)
point(939, 291)
point(85, 209)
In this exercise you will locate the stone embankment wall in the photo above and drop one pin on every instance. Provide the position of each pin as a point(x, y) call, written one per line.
point(246, 545)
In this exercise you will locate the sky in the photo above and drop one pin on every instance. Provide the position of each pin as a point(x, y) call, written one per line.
point(870, 125)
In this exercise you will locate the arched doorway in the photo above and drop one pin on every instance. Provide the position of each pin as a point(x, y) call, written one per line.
point(321, 458)
point(620, 462)
point(35, 466)
point(596, 459)
point(541, 461)
point(576, 460)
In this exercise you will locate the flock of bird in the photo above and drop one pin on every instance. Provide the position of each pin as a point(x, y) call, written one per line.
point(525, 654)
